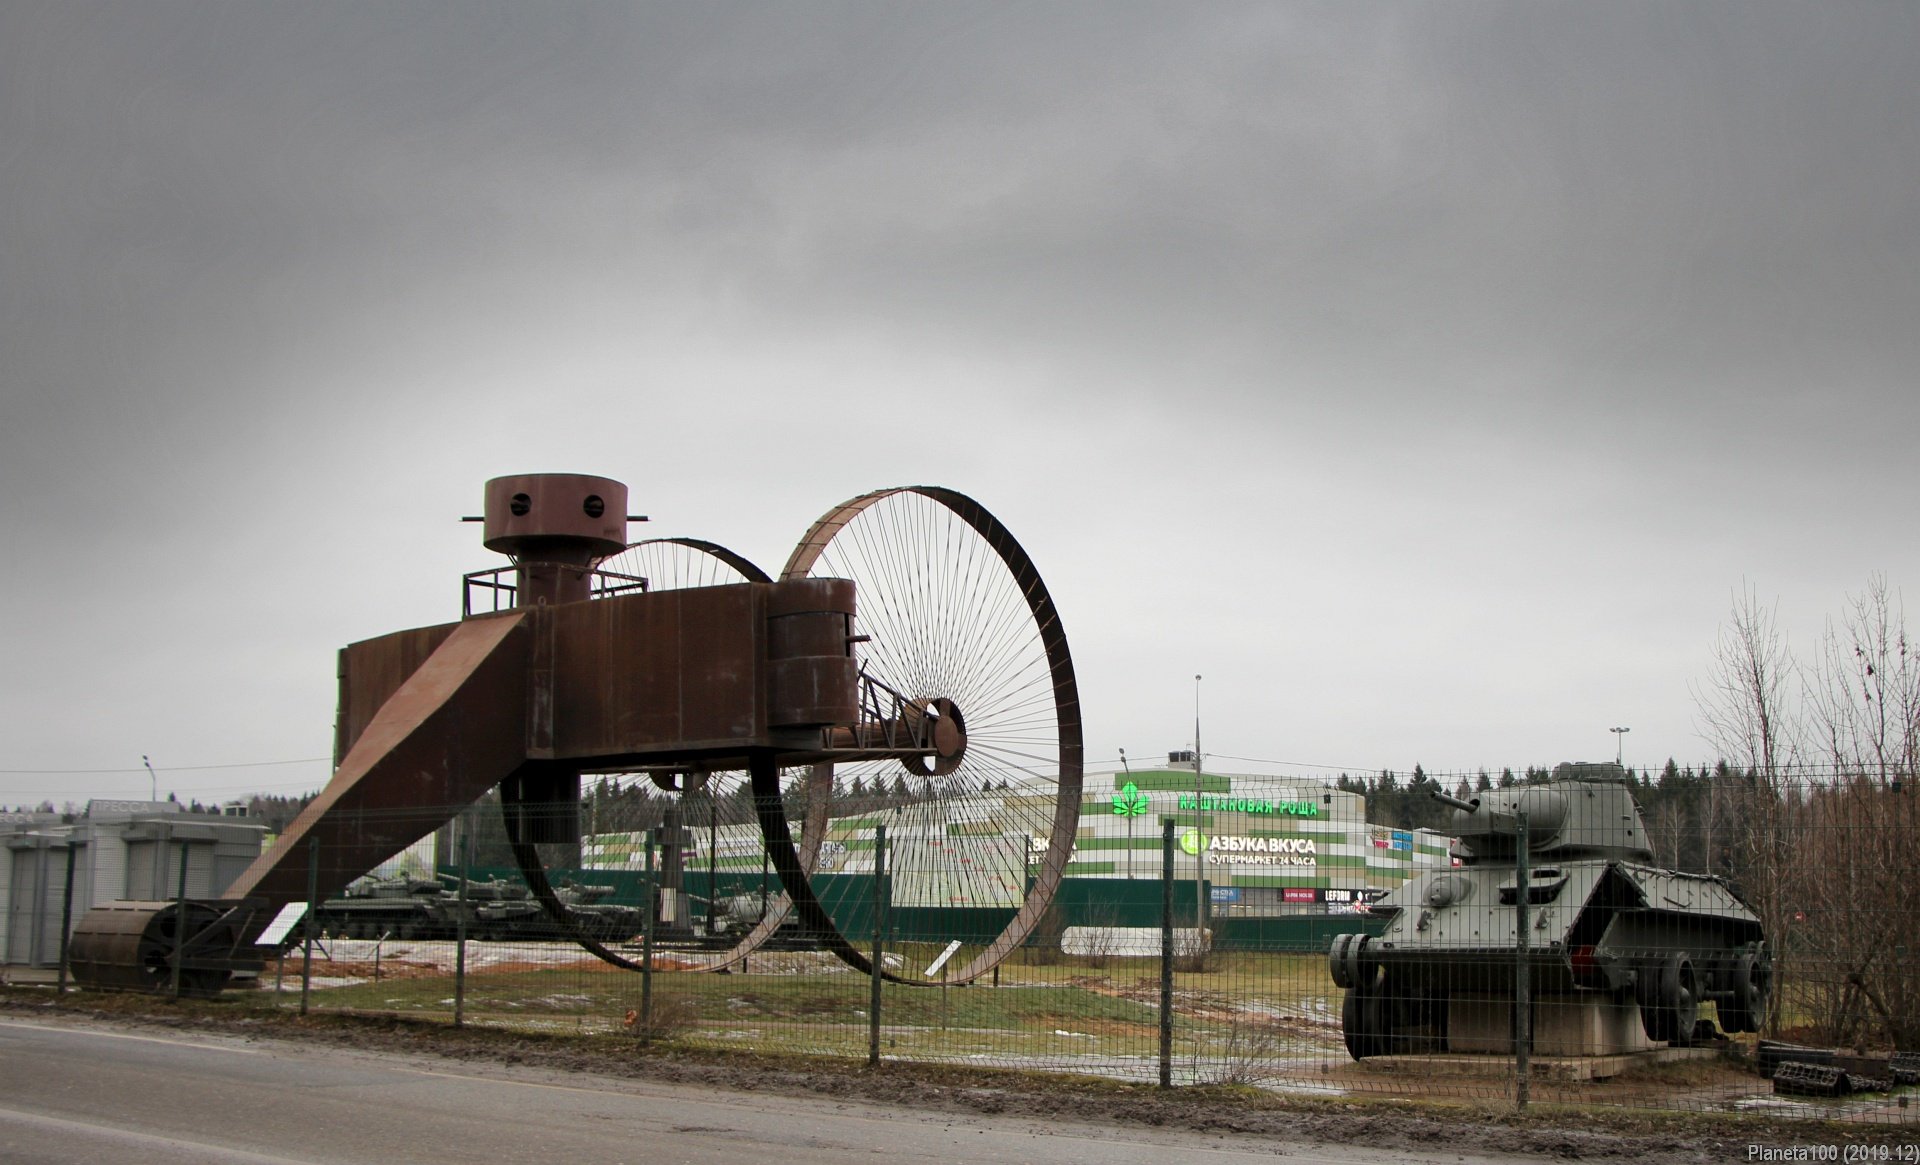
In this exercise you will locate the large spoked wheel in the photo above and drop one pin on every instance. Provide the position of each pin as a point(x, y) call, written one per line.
point(958, 622)
point(717, 802)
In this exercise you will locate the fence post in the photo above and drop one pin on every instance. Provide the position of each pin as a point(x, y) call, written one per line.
point(313, 904)
point(1166, 953)
point(1523, 968)
point(766, 903)
point(646, 947)
point(460, 922)
point(180, 922)
point(66, 915)
point(880, 897)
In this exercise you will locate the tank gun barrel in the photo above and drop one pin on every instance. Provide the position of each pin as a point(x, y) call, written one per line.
point(1483, 818)
point(1448, 799)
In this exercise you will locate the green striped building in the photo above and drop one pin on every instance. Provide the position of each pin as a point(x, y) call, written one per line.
point(1266, 846)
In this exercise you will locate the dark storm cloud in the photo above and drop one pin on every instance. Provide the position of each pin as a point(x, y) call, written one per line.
point(1574, 186)
point(1389, 310)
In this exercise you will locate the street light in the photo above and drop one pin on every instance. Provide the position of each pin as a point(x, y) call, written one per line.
point(1619, 742)
point(1200, 849)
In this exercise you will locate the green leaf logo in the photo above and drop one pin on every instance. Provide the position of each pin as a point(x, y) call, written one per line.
point(1192, 842)
point(1129, 801)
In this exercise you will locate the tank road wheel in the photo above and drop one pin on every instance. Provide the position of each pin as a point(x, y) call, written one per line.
point(1752, 982)
point(1344, 959)
point(956, 620)
point(1337, 961)
point(1669, 997)
point(1365, 1014)
point(1354, 1025)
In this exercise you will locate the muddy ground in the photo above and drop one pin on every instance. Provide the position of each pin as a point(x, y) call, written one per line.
point(1544, 1132)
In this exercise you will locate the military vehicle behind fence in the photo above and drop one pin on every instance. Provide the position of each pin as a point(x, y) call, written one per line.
point(1611, 939)
point(405, 907)
point(587, 913)
point(402, 906)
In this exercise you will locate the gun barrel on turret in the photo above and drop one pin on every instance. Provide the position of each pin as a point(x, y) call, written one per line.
point(1494, 815)
point(1457, 803)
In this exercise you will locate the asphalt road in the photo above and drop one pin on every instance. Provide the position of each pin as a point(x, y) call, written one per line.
point(82, 1091)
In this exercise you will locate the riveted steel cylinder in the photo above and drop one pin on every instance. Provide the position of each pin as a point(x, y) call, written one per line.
point(812, 677)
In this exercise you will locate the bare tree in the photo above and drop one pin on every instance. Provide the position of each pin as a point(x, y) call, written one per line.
point(1863, 701)
point(1748, 712)
point(1666, 829)
point(1828, 858)
point(1864, 695)
point(1857, 975)
point(1746, 709)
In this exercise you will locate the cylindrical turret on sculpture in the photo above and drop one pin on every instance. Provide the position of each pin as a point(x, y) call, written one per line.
point(555, 526)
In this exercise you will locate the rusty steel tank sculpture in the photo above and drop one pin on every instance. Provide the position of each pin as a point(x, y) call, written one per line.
point(1619, 954)
point(678, 660)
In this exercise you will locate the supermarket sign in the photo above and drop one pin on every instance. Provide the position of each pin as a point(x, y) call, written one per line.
point(1255, 805)
point(1251, 851)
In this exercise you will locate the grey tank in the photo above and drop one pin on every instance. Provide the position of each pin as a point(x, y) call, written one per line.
point(1604, 923)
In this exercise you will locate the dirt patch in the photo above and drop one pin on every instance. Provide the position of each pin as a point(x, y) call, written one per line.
point(370, 970)
point(1543, 1132)
point(344, 960)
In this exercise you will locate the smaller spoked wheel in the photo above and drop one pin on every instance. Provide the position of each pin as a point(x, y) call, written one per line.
point(667, 564)
point(729, 857)
point(1669, 996)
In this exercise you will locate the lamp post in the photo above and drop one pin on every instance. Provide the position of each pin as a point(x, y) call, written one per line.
point(1200, 849)
point(1619, 742)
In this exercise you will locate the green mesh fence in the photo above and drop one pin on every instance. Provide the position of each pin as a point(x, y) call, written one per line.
point(1677, 953)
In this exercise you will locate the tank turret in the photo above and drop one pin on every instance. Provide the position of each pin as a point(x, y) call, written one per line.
point(1586, 812)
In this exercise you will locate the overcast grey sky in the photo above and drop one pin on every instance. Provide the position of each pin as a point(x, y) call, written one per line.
point(1427, 376)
